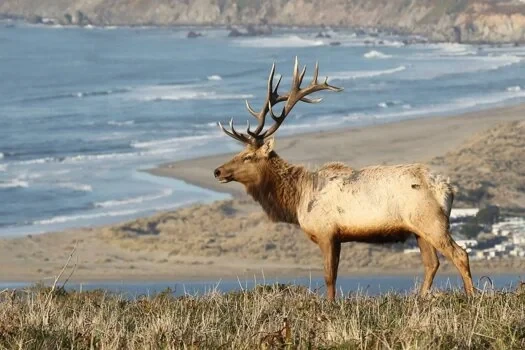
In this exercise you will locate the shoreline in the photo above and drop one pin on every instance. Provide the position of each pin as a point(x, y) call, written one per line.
point(421, 37)
point(198, 171)
point(227, 239)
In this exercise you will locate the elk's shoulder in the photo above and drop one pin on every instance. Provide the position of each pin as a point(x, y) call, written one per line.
point(334, 167)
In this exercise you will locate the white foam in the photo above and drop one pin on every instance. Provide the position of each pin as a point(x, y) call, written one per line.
point(282, 41)
point(349, 75)
point(182, 92)
point(387, 104)
point(456, 105)
point(118, 123)
point(15, 183)
point(3, 167)
point(215, 77)
point(1, 155)
point(134, 200)
point(76, 187)
point(62, 219)
point(171, 141)
point(376, 54)
point(393, 43)
point(36, 161)
point(514, 88)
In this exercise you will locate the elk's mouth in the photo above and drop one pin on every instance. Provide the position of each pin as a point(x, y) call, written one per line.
point(225, 180)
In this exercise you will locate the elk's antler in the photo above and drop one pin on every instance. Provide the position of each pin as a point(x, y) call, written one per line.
point(296, 94)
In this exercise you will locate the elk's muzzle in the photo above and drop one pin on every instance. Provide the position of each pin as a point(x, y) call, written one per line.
point(222, 175)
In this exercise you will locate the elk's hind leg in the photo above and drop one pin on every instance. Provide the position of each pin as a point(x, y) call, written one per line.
point(430, 261)
point(437, 234)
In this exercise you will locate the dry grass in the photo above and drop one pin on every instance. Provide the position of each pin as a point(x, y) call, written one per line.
point(279, 316)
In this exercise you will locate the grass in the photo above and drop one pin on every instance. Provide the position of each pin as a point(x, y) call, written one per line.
point(268, 317)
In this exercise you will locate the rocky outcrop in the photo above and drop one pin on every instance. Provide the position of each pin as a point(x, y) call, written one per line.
point(447, 20)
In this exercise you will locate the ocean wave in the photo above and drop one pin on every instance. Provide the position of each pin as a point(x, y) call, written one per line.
point(3, 167)
point(455, 49)
point(282, 41)
point(214, 77)
point(118, 123)
point(1, 155)
point(376, 54)
point(76, 187)
point(388, 104)
point(100, 93)
point(134, 200)
point(514, 88)
point(365, 74)
point(171, 141)
point(80, 94)
point(63, 219)
point(180, 92)
point(15, 183)
point(456, 105)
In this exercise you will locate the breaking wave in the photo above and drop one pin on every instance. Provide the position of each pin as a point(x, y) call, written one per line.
point(124, 123)
point(134, 200)
point(76, 187)
point(16, 183)
point(175, 140)
point(80, 94)
point(365, 74)
point(376, 54)
point(514, 88)
point(179, 92)
point(283, 41)
point(214, 77)
point(388, 104)
point(62, 219)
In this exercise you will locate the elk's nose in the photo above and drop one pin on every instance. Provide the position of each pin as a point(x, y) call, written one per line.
point(217, 172)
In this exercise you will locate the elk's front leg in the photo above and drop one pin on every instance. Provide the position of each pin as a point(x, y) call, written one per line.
point(331, 250)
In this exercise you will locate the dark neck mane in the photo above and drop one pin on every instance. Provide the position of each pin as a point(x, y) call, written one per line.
point(279, 192)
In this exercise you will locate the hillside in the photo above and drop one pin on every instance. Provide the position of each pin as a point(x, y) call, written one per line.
point(448, 20)
point(489, 168)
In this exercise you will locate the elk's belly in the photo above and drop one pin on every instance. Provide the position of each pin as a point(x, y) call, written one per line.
point(377, 235)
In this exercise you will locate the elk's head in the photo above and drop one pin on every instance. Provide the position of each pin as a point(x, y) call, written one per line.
point(248, 166)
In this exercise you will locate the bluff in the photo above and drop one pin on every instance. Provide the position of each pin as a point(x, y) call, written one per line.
point(442, 20)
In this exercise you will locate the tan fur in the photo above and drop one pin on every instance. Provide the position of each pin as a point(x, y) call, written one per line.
point(337, 204)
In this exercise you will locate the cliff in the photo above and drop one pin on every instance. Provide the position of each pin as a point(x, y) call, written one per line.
point(443, 20)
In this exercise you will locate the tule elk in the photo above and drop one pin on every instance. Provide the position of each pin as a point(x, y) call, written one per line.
point(337, 204)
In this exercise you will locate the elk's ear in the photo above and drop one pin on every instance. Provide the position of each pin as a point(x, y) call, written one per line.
point(267, 147)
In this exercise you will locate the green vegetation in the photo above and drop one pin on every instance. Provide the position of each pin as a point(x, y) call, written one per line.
point(273, 317)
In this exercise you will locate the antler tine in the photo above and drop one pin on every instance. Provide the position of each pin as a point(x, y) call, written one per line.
point(250, 109)
point(271, 95)
point(234, 134)
point(297, 94)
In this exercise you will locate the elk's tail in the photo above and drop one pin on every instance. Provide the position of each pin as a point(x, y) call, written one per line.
point(443, 191)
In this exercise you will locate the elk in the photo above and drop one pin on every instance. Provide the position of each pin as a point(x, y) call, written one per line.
point(335, 203)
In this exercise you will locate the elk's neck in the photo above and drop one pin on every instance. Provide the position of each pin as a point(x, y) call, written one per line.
point(280, 190)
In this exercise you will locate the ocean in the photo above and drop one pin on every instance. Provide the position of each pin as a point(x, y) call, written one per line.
point(83, 110)
point(346, 285)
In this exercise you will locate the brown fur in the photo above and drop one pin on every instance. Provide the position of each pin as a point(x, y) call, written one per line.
point(337, 204)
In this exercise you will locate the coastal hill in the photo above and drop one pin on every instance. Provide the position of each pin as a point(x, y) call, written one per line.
point(442, 20)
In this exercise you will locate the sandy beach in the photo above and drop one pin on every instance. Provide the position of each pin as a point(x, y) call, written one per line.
point(408, 141)
point(233, 238)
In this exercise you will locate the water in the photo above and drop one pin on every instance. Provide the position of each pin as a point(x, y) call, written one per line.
point(81, 110)
point(345, 285)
